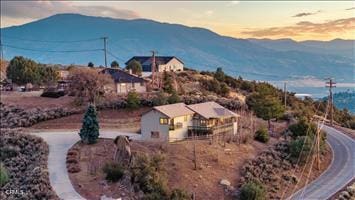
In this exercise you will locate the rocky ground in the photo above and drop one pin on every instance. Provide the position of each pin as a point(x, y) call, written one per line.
point(348, 193)
point(25, 159)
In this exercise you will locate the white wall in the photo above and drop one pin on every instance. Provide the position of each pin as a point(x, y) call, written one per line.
point(181, 133)
point(123, 88)
point(173, 65)
point(151, 122)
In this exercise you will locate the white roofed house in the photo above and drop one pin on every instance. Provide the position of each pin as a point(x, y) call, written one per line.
point(210, 118)
point(124, 81)
point(179, 121)
point(163, 63)
point(166, 123)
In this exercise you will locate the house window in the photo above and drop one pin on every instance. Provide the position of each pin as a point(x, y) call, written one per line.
point(185, 118)
point(203, 122)
point(154, 134)
point(164, 121)
point(132, 85)
point(142, 83)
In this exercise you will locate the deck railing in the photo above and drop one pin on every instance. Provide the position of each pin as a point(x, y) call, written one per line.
point(214, 129)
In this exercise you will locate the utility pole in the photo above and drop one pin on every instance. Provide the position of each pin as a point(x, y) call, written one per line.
point(1, 50)
point(155, 82)
point(330, 84)
point(105, 49)
point(285, 95)
point(318, 138)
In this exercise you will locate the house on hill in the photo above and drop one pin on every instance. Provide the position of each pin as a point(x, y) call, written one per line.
point(212, 118)
point(179, 121)
point(125, 82)
point(163, 63)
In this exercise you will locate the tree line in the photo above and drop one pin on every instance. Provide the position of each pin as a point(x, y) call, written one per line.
point(22, 71)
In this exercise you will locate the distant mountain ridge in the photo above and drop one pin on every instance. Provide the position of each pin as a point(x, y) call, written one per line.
point(199, 48)
point(334, 47)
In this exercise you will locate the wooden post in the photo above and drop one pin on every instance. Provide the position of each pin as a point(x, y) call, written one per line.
point(195, 158)
point(224, 139)
point(318, 159)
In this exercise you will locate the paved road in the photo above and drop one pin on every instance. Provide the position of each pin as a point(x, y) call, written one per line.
point(59, 143)
point(340, 172)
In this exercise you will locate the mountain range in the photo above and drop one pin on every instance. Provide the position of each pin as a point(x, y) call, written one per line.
point(199, 48)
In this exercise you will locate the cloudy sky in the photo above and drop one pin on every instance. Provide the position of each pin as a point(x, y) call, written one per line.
point(242, 19)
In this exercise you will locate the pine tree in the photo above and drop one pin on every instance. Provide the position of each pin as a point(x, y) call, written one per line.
point(90, 129)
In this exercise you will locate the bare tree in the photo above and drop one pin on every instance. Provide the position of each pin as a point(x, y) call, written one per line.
point(88, 83)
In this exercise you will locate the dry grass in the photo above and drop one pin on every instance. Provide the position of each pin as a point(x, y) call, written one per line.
point(121, 119)
point(214, 162)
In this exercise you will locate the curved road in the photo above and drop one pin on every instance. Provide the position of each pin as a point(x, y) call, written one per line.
point(59, 143)
point(340, 172)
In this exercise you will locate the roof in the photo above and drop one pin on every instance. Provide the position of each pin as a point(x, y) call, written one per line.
point(159, 60)
point(174, 110)
point(120, 76)
point(211, 110)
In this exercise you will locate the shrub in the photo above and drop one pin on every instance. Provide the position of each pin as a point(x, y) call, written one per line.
point(133, 101)
point(262, 135)
point(53, 94)
point(114, 172)
point(224, 91)
point(8, 152)
point(160, 99)
point(4, 177)
point(301, 147)
point(178, 194)
point(149, 174)
point(252, 191)
point(174, 98)
point(302, 128)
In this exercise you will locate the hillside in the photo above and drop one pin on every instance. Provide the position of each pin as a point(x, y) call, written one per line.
point(344, 48)
point(199, 48)
point(344, 100)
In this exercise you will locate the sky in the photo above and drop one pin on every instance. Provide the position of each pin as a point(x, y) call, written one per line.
point(298, 20)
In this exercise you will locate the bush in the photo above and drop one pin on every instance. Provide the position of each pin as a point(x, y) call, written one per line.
point(252, 191)
point(149, 174)
point(133, 100)
point(178, 194)
point(262, 135)
point(174, 98)
point(160, 99)
point(114, 172)
point(4, 177)
point(8, 152)
point(53, 94)
point(301, 147)
point(224, 91)
point(302, 128)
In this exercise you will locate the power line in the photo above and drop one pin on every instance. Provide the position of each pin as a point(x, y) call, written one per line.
point(50, 41)
point(110, 53)
point(51, 51)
